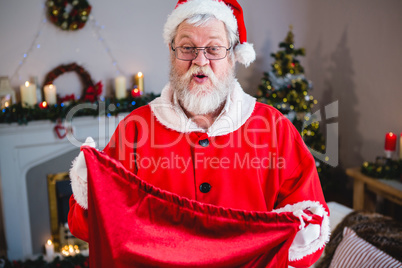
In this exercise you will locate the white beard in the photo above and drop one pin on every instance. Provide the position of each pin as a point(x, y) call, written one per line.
point(201, 99)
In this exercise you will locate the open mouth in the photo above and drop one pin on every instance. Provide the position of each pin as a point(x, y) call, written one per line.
point(201, 76)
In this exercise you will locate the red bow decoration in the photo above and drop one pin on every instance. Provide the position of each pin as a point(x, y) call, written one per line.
point(92, 93)
point(67, 98)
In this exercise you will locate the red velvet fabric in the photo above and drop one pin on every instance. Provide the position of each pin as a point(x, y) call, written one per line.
point(134, 224)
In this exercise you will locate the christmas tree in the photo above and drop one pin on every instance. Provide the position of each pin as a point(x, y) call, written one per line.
point(286, 88)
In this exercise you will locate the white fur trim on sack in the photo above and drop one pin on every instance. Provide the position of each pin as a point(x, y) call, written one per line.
point(192, 7)
point(311, 238)
point(78, 176)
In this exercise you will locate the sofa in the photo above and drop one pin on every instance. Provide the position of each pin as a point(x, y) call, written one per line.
point(361, 239)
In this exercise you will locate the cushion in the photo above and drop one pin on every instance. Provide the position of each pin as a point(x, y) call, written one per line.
point(380, 231)
point(353, 251)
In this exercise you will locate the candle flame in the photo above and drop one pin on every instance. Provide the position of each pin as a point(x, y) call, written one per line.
point(6, 104)
point(44, 104)
point(49, 242)
point(139, 74)
point(27, 84)
point(391, 134)
point(51, 86)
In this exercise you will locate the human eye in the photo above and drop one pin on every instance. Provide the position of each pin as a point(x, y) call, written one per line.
point(187, 49)
point(214, 50)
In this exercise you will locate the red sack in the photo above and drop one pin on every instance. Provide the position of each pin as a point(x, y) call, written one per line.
point(134, 224)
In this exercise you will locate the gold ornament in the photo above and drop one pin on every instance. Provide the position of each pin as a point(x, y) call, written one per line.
point(73, 26)
point(64, 25)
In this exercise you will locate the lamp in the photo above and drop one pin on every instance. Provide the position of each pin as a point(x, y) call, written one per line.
point(7, 93)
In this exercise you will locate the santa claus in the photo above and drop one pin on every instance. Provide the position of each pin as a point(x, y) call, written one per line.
point(203, 175)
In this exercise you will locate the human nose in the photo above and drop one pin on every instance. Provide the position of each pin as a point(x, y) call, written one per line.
point(200, 58)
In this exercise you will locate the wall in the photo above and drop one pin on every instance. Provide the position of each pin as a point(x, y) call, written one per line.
point(353, 54)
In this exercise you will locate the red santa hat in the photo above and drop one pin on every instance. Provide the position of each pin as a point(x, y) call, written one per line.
point(227, 11)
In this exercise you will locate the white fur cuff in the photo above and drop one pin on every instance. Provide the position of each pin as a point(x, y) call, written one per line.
point(78, 176)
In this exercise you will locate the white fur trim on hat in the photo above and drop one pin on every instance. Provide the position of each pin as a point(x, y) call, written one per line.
point(245, 53)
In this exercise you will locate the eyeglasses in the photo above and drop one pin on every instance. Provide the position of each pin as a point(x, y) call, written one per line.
point(191, 53)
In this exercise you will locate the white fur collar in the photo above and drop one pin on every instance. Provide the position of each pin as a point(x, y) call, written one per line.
point(237, 110)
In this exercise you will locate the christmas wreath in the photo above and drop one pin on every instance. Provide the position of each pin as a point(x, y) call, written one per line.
point(91, 92)
point(69, 14)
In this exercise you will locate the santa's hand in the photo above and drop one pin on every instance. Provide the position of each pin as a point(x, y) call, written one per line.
point(78, 176)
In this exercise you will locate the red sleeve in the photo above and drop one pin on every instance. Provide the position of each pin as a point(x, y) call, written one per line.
point(78, 220)
point(121, 145)
point(300, 181)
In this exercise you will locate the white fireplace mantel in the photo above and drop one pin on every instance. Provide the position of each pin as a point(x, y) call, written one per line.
point(25, 146)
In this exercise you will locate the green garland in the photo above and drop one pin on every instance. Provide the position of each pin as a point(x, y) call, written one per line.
point(18, 114)
point(77, 261)
point(69, 21)
point(383, 168)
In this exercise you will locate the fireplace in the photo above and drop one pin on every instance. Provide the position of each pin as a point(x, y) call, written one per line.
point(28, 154)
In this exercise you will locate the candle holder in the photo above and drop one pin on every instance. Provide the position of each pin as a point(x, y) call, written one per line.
point(7, 93)
point(388, 154)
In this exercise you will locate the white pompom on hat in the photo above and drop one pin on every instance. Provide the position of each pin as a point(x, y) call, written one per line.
point(227, 11)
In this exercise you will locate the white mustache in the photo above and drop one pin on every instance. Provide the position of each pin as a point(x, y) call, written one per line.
point(205, 70)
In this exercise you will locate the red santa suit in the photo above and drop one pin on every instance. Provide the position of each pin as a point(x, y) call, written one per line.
point(251, 159)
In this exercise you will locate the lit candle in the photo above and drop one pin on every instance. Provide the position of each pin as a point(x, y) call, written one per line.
point(49, 247)
point(28, 94)
point(139, 81)
point(71, 250)
point(120, 87)
point(390, 144)
point(50, 94)
point(400, 147)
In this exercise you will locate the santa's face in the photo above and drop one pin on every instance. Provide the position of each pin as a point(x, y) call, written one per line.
point(202, 85)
